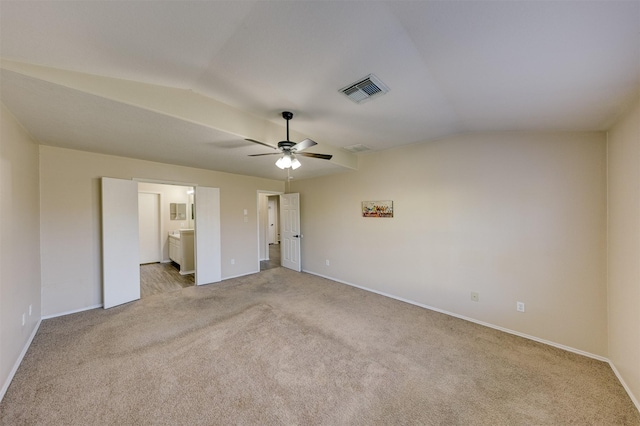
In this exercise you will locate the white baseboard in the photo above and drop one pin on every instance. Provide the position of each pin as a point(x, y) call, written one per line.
point(12, 373)
point(240, 275)
point(486, 324)
point(60, 314)
point(624, 385)
point(230, 277)
point(506, 330)
point(496, 327)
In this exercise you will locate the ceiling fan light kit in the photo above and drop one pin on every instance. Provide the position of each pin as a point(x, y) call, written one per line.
point(287, 161)
point(295, 163)
point(289, 149)
point(284, 162)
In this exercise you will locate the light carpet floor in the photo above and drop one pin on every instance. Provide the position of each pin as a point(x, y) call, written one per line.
point(287, 348)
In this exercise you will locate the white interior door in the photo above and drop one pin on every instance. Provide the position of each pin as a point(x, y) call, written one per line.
point(207, 230)
point(290, 231)
point(149, 226)
point(120, 256)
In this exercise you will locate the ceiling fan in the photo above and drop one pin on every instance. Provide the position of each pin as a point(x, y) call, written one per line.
point(289, 149)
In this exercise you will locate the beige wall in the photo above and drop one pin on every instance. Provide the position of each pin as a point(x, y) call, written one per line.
point(70, 211)
point(624, 248)
point(514, 217)
point(20, 246)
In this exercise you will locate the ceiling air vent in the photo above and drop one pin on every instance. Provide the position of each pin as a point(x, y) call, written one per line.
point(357, 148)
point(365, 89)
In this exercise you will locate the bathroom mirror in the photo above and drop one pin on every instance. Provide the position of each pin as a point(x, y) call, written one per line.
point(177, 211)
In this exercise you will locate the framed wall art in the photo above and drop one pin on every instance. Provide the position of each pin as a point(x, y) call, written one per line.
point(377, 208)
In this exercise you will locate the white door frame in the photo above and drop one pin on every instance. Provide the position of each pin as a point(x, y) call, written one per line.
point(261, 224)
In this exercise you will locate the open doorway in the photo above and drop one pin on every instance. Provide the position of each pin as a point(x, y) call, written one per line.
point(273, 234)
point(166, 229)
point(269, 230)
point(120, 239)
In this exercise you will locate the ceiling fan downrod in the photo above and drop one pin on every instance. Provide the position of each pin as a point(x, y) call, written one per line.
point(287, 116)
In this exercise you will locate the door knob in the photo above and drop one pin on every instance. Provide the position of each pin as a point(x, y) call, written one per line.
point(296, 236)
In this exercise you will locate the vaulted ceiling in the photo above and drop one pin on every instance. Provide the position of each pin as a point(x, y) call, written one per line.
point(186, 82)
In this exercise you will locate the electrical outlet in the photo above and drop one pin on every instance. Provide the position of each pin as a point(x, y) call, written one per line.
point(233, 261)
point(520, 306)
point(475, 296)
point(327, 262)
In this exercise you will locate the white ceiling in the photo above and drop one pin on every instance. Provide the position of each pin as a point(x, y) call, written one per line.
point(452, 67)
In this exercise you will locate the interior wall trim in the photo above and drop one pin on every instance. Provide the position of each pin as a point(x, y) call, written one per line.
point(496, 327)
point(624, 385)
point(239, 275)
point(75, 311)
point(635, 401)
point(486, 324)
point(12, 373)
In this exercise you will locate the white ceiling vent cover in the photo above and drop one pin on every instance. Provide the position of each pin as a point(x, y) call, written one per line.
point(357, 148)
point(365, 89)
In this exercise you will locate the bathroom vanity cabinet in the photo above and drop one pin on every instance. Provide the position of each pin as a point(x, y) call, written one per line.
point(181, 250)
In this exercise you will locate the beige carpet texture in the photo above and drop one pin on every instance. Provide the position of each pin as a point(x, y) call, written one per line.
point(287, 348)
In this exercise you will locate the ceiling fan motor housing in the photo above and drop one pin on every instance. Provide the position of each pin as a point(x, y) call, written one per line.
point(286, 145)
